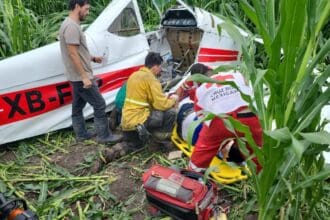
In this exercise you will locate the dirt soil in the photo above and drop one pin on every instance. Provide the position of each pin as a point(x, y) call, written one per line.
point(82, 159)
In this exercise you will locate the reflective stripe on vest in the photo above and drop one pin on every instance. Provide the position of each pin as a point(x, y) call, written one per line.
point(137, 102)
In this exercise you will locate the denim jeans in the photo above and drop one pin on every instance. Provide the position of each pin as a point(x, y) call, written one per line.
point(92, 95)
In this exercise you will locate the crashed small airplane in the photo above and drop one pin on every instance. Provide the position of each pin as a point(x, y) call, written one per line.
point(35, 97)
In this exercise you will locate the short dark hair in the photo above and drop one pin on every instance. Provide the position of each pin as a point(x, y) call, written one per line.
point(235, 155)
point(153, 59)
point(72, 3)
point(199, 68)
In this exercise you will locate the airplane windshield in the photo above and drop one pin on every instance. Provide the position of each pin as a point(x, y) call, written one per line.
point(163, 5)
point(125, 24)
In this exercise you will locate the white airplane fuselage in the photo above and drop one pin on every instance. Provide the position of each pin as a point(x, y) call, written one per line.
point(35, 97)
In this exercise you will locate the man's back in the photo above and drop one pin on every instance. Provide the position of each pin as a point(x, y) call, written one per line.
point(138, 86)
point(143, 93)
point(217, 98)
point(136, 108)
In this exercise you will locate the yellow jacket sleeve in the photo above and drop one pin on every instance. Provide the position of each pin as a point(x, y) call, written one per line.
point(159, 100)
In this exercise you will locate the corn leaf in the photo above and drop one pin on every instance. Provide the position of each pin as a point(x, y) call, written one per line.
point(321, 137)
point(282, 134)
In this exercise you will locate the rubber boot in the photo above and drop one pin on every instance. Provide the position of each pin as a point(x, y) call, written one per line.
point(104, 134)
point(79, 128)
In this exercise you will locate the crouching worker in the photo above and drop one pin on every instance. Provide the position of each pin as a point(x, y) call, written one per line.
point(223, 99)
point(147, 110)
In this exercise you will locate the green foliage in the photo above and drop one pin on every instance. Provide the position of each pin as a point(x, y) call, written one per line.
point(22, 30)
point(17, 27)
point(45, 7)
point(289, 185)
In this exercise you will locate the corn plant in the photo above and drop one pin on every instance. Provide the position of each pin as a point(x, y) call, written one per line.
point(18, 25)
point(47, 28)
point(290, 185)
point(45, 7)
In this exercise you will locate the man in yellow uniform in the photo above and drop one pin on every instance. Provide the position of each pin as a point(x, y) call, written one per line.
point(146, 104)
point(146, 109)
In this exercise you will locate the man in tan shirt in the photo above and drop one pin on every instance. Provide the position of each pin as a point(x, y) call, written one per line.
point(78, 70)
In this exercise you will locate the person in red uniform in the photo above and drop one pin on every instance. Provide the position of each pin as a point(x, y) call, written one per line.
point(225, 99)
point(188, 87)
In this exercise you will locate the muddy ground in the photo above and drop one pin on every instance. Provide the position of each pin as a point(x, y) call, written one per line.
point(86, 158)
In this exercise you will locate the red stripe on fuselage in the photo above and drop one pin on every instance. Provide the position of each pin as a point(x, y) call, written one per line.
point(28, 103)
point(216, 55)
point(216, 58)
point(213, 51)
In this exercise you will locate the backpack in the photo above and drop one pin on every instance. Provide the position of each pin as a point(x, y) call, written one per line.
point(180, 194)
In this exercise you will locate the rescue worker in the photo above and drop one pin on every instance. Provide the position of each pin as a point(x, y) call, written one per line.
point(188, 87)
point(219, 99)
point(186, 115)
point(147, 110)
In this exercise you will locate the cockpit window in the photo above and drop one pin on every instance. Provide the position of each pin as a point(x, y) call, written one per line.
point(125, 24)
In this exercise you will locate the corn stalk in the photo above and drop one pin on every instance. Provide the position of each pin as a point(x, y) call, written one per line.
point(290, 185)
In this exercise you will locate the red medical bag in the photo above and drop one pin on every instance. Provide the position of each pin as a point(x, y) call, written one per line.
point(180, 194)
